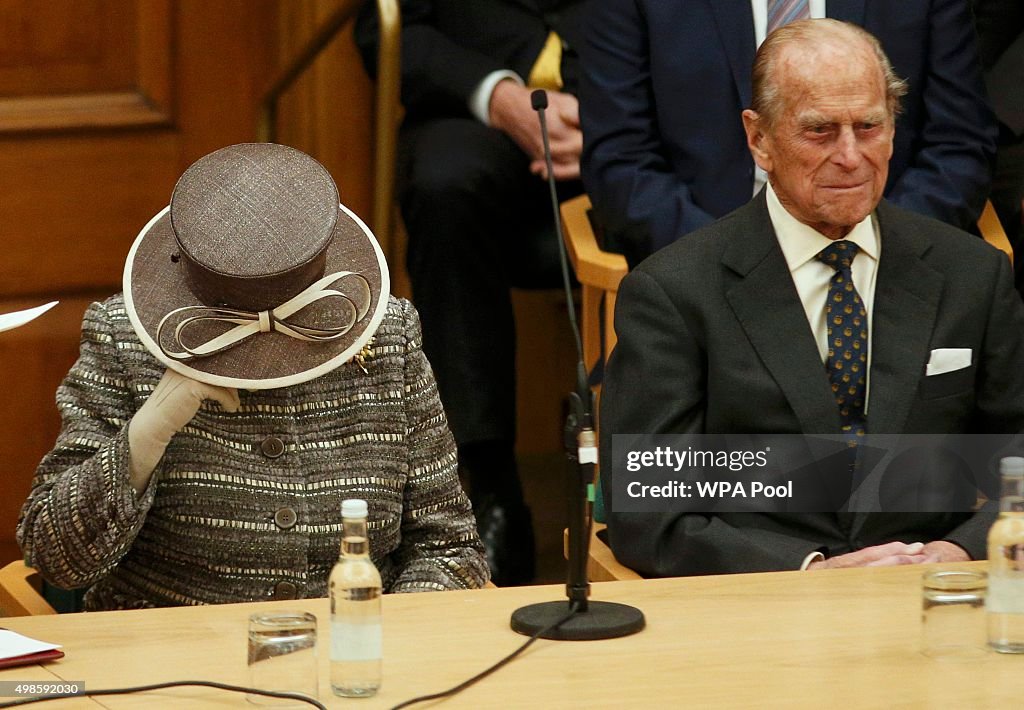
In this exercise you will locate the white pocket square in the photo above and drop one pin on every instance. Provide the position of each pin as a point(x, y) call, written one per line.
point(945, 360)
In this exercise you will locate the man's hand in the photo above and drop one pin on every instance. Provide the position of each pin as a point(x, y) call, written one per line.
point(174, 402)
point(512, 113)
point(889, 554)
point(942, 551)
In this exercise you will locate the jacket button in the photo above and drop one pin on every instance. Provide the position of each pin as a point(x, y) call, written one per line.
point(285, 518)
point(272, 447)
point(285, 590)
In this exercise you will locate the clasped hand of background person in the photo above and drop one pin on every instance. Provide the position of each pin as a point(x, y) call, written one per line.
point(175, 400)
point(895, 553)
point(512, 113)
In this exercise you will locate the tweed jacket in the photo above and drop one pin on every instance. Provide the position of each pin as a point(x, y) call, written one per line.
point(246, 505)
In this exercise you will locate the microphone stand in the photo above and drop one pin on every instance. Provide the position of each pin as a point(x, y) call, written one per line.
point(590, 620)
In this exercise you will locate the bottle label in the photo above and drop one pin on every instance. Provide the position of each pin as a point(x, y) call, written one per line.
point(356, 641)
point(1005, 595)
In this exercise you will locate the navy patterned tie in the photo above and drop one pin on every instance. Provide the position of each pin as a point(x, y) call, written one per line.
point(846, 319)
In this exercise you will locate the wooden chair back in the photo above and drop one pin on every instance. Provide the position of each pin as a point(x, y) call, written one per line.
point(21, 591)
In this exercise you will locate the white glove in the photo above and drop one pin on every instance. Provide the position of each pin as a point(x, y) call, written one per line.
point(174, 402)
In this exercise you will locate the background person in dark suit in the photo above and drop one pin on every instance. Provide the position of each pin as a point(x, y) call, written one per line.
point(1000, 26)
point(479, 217)
point(726, 331)
point(664, 82)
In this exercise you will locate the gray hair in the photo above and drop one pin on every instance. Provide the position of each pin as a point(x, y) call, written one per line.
point(768, 101)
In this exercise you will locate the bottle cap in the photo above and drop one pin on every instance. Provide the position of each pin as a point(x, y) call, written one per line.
point(356, 508)
point(1012, 466)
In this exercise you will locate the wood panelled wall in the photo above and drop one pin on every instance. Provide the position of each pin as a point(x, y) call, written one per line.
point(103, 104)
point(328, 113)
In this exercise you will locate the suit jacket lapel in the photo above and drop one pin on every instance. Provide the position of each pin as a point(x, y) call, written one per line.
point(735, 21)
point(907, 293)
point(846, 10)
point(768, 308)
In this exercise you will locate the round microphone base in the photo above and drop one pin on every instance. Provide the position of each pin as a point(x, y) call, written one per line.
point(601, 620)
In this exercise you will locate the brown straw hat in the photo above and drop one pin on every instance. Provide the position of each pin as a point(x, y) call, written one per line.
point(255, 276)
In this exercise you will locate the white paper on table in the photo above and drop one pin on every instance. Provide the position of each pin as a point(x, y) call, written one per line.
point(9, 321)
point(13, 644)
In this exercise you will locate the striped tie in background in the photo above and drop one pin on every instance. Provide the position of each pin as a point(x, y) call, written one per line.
point(782, 12)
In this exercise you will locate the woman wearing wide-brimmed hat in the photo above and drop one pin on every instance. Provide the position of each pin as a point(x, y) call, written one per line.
point(253, 374)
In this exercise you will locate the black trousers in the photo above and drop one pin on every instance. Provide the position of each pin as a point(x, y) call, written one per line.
point(479, 223)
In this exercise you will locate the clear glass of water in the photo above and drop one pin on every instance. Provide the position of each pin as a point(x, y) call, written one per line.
point(282, 656)
point(953, 613)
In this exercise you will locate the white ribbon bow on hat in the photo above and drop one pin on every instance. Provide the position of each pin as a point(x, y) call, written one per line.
point(250, 323)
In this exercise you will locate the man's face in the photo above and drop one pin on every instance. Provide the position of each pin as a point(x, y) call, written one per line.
point(827, 154)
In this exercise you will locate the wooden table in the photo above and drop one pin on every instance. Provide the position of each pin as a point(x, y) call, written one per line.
point(830, 638)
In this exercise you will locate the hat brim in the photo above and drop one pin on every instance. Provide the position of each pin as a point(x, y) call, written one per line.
point(154, 284)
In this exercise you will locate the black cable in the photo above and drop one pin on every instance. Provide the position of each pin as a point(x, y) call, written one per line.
point(573, 608)
point(487, 671)
point(158, 686)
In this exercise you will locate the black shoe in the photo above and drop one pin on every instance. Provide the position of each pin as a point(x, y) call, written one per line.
point(507, 534)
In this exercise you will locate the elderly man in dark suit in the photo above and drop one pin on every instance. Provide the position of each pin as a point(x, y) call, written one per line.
point(664, 82)
point(726, 331)
point(479, 218)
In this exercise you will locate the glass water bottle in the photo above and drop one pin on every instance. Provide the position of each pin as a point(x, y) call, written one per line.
point(355, 589)
point(1004, 604)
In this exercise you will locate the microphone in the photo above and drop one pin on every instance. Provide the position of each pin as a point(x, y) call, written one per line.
point(590, 620)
